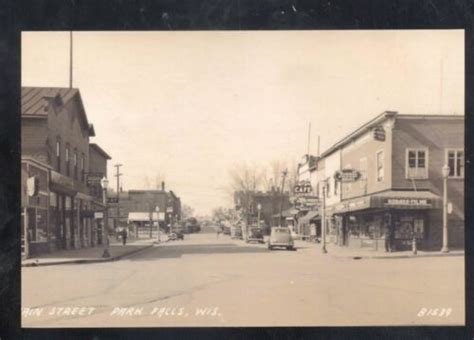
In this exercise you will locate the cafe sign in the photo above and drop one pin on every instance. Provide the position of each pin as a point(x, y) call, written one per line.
point(303, 188)
point(347, 175)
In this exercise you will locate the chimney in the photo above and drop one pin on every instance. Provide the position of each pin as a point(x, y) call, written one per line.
point(163, 185)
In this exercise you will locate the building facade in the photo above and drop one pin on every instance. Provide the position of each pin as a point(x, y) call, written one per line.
point(55, 132)
point(392, 196)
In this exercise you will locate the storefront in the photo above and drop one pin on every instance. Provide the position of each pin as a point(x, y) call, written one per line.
point(309, 225)
point(386, 220)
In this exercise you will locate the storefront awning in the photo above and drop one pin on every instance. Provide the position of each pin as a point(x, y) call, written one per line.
point(144, 217)
point(393, 199)
point(287, 213)
point(306, 219)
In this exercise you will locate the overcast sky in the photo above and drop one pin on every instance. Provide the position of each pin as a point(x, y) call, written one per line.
point(189, 105)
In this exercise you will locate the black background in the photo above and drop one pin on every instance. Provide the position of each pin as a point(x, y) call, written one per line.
point(17, 16)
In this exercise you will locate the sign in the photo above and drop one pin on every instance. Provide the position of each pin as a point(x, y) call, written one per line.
point(450, 208)
point(303, 188)
point(98, 215)
point(347, 175)
point(169, 209)
point(112, 200)
point(407, 202)
point(379, 133)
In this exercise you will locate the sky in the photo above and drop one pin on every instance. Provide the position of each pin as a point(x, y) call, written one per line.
point(189, 106)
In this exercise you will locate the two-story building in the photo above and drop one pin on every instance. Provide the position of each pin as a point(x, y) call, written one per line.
point(55, 132)
point(392, 183)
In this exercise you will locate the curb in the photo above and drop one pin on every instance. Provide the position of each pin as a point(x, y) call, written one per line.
point(355, 257)
point(82, 261)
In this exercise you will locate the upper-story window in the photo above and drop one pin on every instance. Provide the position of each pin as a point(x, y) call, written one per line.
point(68, 160)
point(363, 172)
point(58, 154)
point(455, 161)
point(416, 163)
point(380, 166)
point(328, 187)
point(83, 175)
point(75, 163)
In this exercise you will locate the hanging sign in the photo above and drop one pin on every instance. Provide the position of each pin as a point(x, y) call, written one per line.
point(303, 188)
point(347, 175)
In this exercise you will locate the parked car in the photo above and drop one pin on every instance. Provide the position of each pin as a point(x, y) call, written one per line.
point(280, 237)
point(236, 232)
point(255, 235)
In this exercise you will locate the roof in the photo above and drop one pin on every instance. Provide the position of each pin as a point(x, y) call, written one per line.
point(100, 150)
point(361, 130)
point(36, 100)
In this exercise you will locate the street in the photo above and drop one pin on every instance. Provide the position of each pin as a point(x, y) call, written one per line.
point(209, 281)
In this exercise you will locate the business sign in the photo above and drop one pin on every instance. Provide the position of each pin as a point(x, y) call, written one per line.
point(347, 175)
point(169, 209)
point(98, 215)
point(379, 133)
point(412, 202)
point(303, 188)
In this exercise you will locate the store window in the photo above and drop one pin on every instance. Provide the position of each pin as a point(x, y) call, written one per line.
point(416, 163)
point(380, 166)
point(455, 160)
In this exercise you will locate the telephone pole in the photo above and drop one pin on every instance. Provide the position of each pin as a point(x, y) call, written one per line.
point(70, 59)
point(118, 174)
point(284, 174)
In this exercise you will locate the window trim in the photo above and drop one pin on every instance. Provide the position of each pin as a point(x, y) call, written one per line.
point(427, 162)
point(377, 180)
point(446, 160)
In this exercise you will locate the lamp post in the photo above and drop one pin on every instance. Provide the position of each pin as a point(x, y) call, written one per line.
point(445, 172)
point(157, 209)
point(323, 219)
point(259, 208)
point(104, 182)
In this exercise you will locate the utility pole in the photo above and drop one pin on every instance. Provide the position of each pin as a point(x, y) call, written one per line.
point(70, 59)
point(118, 174)
point(284, 174)
point(309, 137)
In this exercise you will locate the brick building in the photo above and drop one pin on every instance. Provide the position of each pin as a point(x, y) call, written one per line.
point(55, 132)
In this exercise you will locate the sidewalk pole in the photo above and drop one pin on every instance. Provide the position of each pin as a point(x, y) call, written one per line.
point(106, 253)
point(445, 172)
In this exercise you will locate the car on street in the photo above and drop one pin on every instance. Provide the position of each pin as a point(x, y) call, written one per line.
point(236, 232)
point(255, 235)
point(281, 237)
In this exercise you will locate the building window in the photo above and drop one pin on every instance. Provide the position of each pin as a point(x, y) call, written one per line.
point(68, 161)
point(363, 173)
point(380, 166)
point(75, 164)
point(58, 154)
point(455, 161)
point(328, 187)
point(336, 187)
point(416, 163)
point(82, 168)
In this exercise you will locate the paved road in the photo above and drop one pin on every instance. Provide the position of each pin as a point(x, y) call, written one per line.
point(205, 281)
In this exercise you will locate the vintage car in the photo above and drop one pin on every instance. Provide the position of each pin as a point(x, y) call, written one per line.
point(255, 235)
point(236, 232)
point(280, 237)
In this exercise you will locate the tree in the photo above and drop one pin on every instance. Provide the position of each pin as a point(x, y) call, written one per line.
point(186, 212)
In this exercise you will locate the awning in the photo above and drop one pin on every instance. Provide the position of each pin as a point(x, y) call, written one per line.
point(287, 213)
point(306, 219)
point(393, 199)
point(144, 216)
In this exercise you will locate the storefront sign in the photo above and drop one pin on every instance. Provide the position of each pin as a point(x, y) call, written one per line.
point(347, 175)
point(407, 202)
point(169, 209)
point(379, 133)
point(98, 215)
point(303, 188)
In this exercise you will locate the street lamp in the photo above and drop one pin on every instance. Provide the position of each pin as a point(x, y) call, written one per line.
point(105, 182)
point(323, 219)
point(157, 209)
point(445, 173)
point(259, 207)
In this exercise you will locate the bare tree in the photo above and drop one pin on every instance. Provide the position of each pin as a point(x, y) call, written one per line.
point(186, 212)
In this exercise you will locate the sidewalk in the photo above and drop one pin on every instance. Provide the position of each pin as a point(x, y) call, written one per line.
point(364, 253)
point(89, 255)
